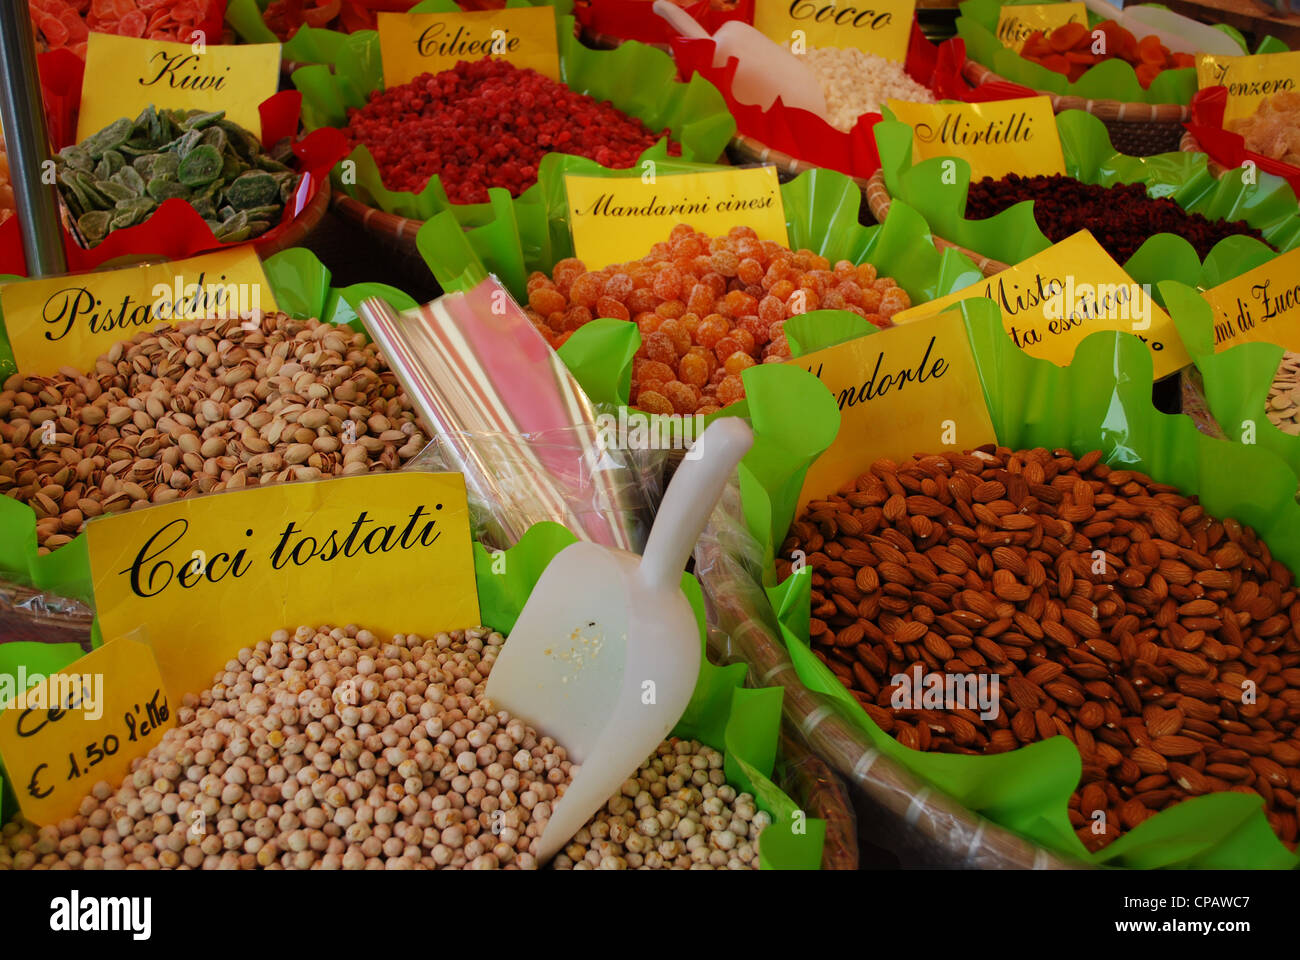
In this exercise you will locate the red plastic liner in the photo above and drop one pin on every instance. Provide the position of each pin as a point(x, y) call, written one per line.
point(806, 136)
point(1226, 148)
point(635, 20)
point(175, 230)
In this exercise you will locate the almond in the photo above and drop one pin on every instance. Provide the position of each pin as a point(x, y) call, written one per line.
point(1175, 745)
point(1081, 623)
point(1188, 778)
point(1148, 760)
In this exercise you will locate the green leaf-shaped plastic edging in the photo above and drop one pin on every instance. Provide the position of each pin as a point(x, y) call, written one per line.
point(1013, 235)
point(1237, 381)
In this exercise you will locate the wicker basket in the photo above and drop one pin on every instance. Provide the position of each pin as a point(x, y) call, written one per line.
point(879, 200)
point(29, 615)
point(302, 225)
point(903, 814)
point(603, 41)
point(1189, 144)
point(1138, 129)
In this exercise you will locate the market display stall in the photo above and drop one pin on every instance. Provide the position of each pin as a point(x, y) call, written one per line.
point(785, 477)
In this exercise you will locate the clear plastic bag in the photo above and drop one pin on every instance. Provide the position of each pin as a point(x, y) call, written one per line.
point(901, 813)
point(515, 481)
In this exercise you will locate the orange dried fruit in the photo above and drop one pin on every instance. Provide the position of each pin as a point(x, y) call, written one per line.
point(1067, 36)
point(1056, 62)
point(1151, 50)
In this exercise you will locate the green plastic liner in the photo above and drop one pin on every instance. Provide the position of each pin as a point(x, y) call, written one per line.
point(1013, 235)
point(1237, 381)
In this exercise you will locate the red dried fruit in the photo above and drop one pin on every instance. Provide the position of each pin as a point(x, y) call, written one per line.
point(487, 123)
point(1121, 217)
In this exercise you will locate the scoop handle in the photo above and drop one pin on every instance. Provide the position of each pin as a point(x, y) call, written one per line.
point(691, 497)
point(680, 20)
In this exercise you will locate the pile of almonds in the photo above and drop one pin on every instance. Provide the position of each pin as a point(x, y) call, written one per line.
point(1115, 612)
point(676, 813)
point(1284, 395)
point(204, 406)
point(324, 749)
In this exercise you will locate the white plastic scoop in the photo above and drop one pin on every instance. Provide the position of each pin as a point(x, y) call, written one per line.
point(1180, 34)
point(605, 655)
point(765, 70)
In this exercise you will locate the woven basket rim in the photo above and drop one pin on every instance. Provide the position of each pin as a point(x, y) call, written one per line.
point(301, 225)
point(372, 219)
point(1189, 144)
point(1118, 111)
point(880, 201)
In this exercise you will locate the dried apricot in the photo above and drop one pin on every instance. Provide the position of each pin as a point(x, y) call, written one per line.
point(1067, 36)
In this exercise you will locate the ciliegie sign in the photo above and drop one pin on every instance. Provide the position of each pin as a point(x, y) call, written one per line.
point(416, 43)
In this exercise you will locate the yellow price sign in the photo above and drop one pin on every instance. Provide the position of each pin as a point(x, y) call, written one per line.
point(996, 138)
point(61, 734)
point(611, 217)
point(1248, 79)
point(416, 43)
point(72, 320)
point(882, 27)
point(899, 390)
point(1053, 300)
point(208, 575)
point(1260, 305)
point(124, 75)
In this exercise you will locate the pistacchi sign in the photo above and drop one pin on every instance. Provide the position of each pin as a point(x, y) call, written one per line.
point(1248, 79)
point(124, 75)
point(881, 27)
point(209, 575)
point(70, 321)
point(996, 138)
point(610, 217)
point(1260, 305)
point(416, 43)
point(899, 390)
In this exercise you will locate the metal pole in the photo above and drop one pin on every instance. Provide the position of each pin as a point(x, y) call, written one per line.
point(22, 115)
